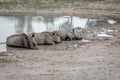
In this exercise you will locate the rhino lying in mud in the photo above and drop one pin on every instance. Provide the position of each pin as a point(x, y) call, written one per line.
point(65, 35)
point(55, 37)
point(68, 35)
point(46, 38)
point(21, 40)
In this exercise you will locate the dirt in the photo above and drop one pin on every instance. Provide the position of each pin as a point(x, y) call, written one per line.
point(69, 60)
point(96, 9)
point(95, 60)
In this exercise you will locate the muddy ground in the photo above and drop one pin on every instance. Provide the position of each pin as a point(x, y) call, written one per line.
point(70, 60)
point(95, 60)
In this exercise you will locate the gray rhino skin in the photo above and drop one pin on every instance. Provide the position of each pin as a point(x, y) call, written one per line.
point(21, 40)
point(55, 37)
point(65, 35)
point(46, 32)
point(46, 38)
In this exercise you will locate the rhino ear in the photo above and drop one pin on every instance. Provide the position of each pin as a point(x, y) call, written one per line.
point(26, 37)
point(33, 35)
point(73, 30)
point(54, 34)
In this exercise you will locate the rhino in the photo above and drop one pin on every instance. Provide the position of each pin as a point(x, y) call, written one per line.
point(65, 34)
point(77, 34)
point(46, 38)
point(21, 40)
point(55, 37)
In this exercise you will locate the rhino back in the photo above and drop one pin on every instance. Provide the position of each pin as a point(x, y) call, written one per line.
point(62, 34)
point(47, 33)
point(39, 38)
point(14, 41)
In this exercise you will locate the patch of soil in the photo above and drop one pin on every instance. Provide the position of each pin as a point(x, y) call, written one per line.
point(99, 59)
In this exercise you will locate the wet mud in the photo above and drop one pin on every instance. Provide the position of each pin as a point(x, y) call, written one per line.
point(93, 58)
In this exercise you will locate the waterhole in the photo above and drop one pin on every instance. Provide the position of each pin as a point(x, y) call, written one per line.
point(14, 24)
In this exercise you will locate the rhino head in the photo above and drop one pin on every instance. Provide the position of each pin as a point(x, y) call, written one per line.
point(56, 38)
point(31, 43)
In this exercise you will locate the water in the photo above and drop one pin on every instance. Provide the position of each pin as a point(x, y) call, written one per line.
point(14, 24)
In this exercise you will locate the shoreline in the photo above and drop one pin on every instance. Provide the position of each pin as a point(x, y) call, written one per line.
point(83, 13)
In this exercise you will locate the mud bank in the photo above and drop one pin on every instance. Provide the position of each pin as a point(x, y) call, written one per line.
point(99, 59)
point(83, 8)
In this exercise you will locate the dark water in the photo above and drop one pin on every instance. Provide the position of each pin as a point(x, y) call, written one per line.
point(13, 24)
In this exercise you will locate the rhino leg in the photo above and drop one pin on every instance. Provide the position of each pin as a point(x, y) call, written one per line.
point(48, 40)
point(69, 37)
point(49, 43)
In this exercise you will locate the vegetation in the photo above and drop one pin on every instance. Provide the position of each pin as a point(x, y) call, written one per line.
point(44, 4)
point(52, 5)
point(7, 4)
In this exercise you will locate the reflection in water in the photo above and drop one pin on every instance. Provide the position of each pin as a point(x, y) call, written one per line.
point(19, 26)
point(2, 47)
point(49, 21)
point(23, 24)
point(28, 23)
point(67, 24)
point(95, 25)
